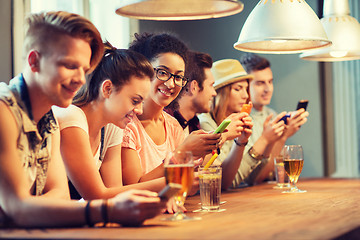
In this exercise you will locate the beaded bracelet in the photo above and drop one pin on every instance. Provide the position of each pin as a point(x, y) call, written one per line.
point(240, 144)
point(104, 212)
point(87, 214)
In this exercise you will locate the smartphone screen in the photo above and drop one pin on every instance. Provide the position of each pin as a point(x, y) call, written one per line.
point(302, 104)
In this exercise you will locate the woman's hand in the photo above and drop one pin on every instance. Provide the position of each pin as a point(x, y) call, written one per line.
point(235, 128)
point(247, 129)
point(240, 127)
point(171, 206)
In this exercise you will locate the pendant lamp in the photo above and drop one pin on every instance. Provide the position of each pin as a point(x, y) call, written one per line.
point(344, 32)
point(281, 26)
point(175, 10)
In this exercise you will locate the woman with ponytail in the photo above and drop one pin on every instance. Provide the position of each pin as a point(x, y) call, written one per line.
point(91, 128)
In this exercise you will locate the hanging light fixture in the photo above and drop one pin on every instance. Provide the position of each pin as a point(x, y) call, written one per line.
point(175, 10)
point(281, 26)
point(342, 29)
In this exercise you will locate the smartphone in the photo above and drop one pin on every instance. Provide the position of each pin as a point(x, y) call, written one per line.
point(222, 126)
point(169, 191)
point(301, 104)
point(246, 108)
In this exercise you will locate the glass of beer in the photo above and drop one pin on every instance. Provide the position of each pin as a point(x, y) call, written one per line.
point(293, 164)
point(179, 168)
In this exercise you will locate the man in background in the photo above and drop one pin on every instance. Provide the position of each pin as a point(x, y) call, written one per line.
point(261, 92)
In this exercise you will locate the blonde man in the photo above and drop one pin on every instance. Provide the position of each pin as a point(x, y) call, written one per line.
point(60, 48)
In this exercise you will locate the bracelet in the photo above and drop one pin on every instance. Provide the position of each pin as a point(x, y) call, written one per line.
point(255, 155)
point(104, 212)
point(87, 214)
point(240, 144)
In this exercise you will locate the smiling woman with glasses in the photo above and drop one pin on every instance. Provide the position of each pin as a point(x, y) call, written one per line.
point(149, 136)
point(154, 133)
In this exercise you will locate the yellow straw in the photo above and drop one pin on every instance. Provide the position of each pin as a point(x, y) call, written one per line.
point(212, 159)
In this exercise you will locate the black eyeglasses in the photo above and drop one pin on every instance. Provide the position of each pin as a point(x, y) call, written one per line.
point(164, 75)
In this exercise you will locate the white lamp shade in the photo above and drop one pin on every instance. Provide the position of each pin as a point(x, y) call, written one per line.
point(174, 10)
point(344, 32)
point(281, 26)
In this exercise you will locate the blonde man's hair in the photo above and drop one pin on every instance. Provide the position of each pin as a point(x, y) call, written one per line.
point(44, 29)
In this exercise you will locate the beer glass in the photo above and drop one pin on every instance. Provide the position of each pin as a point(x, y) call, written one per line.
point(293, 164)
point(179, 168)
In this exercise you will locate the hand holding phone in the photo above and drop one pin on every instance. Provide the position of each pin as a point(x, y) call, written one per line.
point(246, 108)
point(170, 190)
point(222, 126)
point(301, 104)
point(284, 118)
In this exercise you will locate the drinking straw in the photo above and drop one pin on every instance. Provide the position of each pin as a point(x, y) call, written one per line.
point(212, 159)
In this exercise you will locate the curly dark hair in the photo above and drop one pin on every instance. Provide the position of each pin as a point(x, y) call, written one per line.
point(151, 45)
point(252, 62)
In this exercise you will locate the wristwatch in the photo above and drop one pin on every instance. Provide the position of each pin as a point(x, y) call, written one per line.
point(255, 155)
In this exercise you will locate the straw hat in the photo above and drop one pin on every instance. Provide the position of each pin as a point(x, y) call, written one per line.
point(228, 71)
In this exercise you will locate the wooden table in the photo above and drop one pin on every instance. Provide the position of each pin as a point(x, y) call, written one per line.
point(329, 210)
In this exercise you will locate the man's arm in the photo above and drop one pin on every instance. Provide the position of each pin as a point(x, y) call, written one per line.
point(13, 184)
point(294, 123)
point(15, 199)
